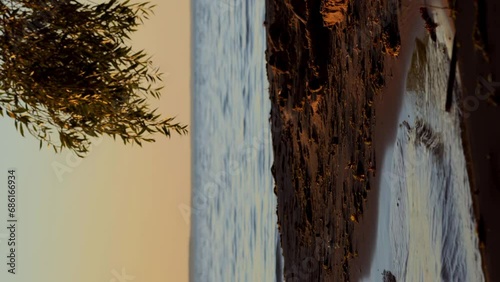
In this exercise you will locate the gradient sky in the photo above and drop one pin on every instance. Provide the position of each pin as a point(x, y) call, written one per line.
point(113, 216)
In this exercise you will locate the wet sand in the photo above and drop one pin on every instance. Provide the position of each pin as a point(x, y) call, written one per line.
point(478, 38)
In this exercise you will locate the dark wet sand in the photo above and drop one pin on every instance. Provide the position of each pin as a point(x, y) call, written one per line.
point(481, 127)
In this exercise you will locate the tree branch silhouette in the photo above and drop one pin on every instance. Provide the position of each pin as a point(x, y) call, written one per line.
point(67, 73)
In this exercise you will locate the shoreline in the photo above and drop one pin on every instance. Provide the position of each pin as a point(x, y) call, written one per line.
point(388, 107)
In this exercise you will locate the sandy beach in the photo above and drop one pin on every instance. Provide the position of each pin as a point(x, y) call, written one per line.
point(336, 73)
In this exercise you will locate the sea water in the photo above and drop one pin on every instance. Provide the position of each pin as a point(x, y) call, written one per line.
point(427, 228)
point(431, 216)
point(233, 209)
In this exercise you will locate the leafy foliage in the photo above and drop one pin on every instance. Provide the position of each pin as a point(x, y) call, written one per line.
point(67, 73)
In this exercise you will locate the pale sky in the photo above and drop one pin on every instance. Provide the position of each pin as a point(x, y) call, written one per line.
point(113, 216)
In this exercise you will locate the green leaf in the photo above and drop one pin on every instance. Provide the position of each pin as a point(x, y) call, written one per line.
point(19, 110)
point(77, 76)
